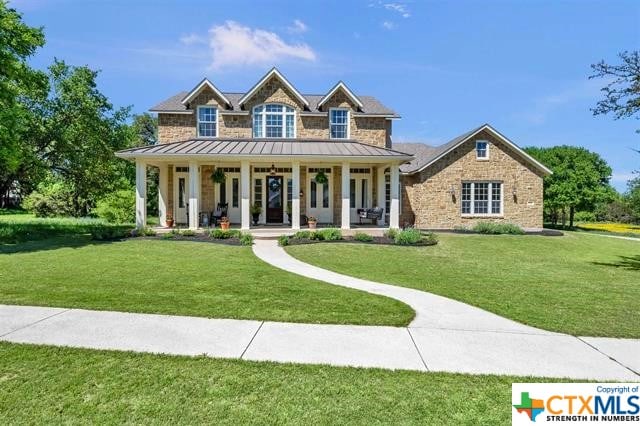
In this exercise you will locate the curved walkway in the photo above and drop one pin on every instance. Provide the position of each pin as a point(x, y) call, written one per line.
point(446, 335)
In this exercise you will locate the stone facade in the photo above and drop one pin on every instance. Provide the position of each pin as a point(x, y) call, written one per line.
point(427, 201)
point(178, 127)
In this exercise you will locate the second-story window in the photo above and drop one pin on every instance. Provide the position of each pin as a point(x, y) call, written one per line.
point(339, 123)
point(274, 121)
point(207, 121)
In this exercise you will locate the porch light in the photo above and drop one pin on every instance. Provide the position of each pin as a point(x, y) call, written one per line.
point(514, 191)
point(301, 193)
point(273, 170)
point(452, 191)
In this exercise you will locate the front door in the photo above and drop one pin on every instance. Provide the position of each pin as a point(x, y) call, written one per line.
point(181, 197)
point(359, 194)
point(274, 199)
point(319, 203)
point(228, 193)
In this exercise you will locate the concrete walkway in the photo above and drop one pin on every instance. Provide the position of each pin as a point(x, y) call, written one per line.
point(446, 335)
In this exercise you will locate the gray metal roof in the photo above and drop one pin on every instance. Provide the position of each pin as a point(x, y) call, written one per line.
point(371, 104)
point(265, 147)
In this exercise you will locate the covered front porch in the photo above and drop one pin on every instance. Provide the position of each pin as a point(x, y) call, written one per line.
point(257, 182)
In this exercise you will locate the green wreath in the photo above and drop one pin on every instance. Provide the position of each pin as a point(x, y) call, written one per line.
point(218, 176)
point(274, 185)
point(321, 178)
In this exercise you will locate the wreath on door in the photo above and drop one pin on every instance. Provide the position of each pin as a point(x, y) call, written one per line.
point(274, 185)
point(321, 177)
point(218, 176)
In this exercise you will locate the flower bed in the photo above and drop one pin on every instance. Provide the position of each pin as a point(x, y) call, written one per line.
point(617, 228)
point(406, 237)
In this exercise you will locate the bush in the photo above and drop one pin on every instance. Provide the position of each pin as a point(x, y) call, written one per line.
point(143, 232)
point(117, 207)
point(246, 239)
point(50, 199)
point(585, 217)
point(283, 240)
point(407, 237)
point(497, 228)
point(303, 235)
point(220, 234)
point(361, 236)
point(110, 232)
point(391, 233)
point(328, 234)
point(188, 233)
point(429, 238)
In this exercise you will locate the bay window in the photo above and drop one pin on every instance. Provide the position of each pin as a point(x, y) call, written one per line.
point(481, 198)
point(274, 121)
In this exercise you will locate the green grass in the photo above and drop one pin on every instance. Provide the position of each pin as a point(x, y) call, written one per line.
point(578, 284)
point(48, 385)
point(179, 277)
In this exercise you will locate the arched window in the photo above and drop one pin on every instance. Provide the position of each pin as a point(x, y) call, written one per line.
point(274, 121)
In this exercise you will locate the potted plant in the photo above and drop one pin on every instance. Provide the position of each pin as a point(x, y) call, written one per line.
point(289, 212)
point(255, 213)
point(312, 221)
point(224, 223)
point(218, 176)
point(169, 220)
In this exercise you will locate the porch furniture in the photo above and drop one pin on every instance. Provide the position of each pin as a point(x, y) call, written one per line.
point(373, 214)
point(220, 211)
point(204, 219)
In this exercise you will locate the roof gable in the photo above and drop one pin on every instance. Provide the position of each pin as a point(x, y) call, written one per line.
point(205, 83)
point(343, 87)
point(432, 154)
point(274, 73)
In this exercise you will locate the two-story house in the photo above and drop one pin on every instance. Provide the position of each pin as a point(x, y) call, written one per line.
point(272, 142)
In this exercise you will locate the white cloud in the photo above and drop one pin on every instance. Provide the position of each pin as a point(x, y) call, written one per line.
point(398, 7)
point(192, 38)
point(233, 44)
point(298, 27)
point(388, 25)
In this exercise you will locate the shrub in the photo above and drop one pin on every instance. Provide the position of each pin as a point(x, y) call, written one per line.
point(497, 228)
point(117, 207)
point(328, 234)
point(50, 199)
point(283, 240)
point(220, 234)
point(109, 232)
point(246, 239)
point(408, 237)
point(168, 236)
point(429, 238)
point(188, 233)
point(361, 236)
point(391, 233)
point(143, 232)
point(303, 235)
point(585, 217)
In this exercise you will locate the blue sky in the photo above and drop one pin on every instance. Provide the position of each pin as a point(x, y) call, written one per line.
point(444, 66)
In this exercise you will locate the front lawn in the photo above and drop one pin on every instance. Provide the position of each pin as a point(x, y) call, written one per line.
point(182, 278)
point(43, 384)
point(579, 284)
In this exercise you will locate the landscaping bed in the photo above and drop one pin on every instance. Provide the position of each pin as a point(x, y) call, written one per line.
point(405, 237)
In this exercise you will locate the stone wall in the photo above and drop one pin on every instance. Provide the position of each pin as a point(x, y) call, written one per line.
point(427, 201)
point(179, 127)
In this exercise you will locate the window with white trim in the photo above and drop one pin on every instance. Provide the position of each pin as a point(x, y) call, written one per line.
point(207, 121)
point(274, 121)
point(482, 150)
point(481, 198)
point(339, 123)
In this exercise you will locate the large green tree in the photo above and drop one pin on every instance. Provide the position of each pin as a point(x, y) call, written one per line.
point(20, 88)
point(580, 180)
point(145, 128)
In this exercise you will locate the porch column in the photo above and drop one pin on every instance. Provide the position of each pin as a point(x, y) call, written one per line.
point(245, 180)
point(346, 209)
point(141, 194)
point(381, 194)
point(163, 184)
point(295, 196)
point(394, 214)
point(194, 195)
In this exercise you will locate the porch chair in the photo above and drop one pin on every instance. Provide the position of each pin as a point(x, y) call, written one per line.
point(373, 214)
point(220, 212)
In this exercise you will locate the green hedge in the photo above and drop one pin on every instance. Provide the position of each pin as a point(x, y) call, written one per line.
point(497, 228)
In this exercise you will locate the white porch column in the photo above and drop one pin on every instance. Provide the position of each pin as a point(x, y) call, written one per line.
point(245, 181)
point(194, 195)
point(381, 192)
point(394, 214)
point(163, 185)
point(295, 196)
point(141, 194)
point(346, 211)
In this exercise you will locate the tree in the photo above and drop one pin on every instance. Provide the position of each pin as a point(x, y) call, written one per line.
point(20, 86)
point(633, 197)
point(622, 93)
point(80, 132)
point(145, 128)
point(580, 180)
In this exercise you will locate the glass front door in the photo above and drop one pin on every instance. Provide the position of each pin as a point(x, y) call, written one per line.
point(274, 199)
point(181, 197)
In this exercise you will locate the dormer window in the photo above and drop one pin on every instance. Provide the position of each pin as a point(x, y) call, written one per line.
point(339, 123)
point(274, 121)
point(482, 150)
point(207, 121)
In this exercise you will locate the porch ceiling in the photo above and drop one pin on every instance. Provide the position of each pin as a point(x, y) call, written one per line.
point(266, 149)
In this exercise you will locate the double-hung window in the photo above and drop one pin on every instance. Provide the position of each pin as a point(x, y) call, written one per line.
point(339, 123)
point(274, 121)
point(482, 150)
point(207, 121)
point(481, 198)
